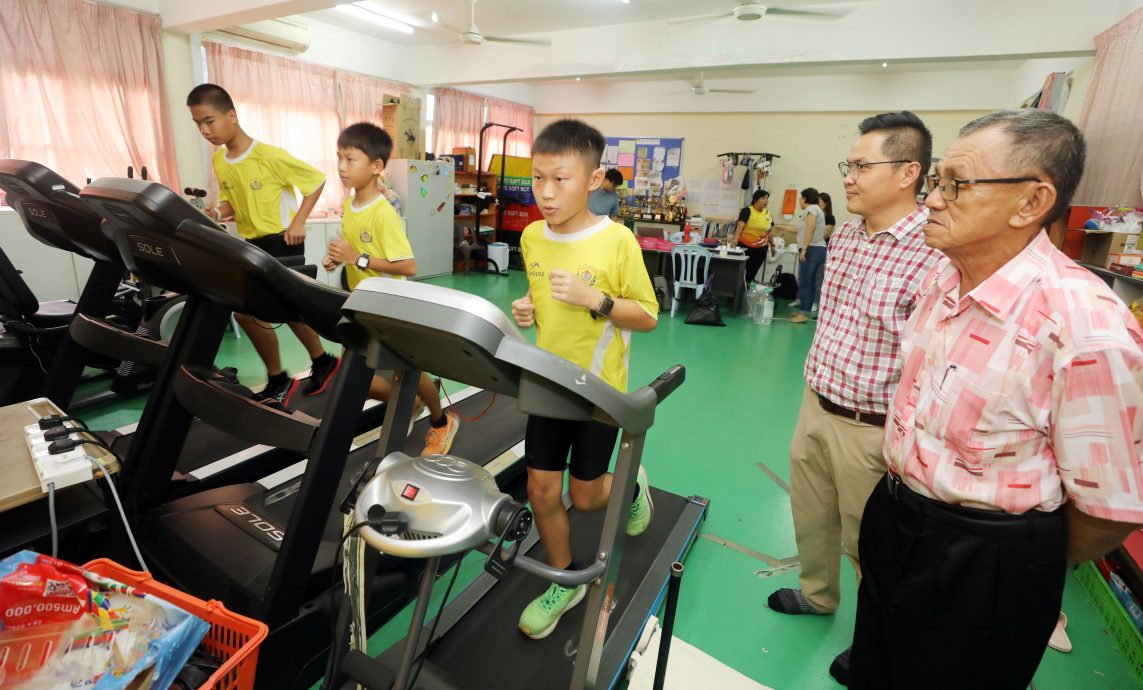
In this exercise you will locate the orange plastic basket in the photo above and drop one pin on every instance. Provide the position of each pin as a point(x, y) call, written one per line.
point(232, 638)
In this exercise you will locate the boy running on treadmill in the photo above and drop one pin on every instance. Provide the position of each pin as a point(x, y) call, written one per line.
point(256, 184)
point(372, 243)
point(588, 289)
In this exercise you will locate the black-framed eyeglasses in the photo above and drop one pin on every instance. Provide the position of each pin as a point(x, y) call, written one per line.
point(845, 167)
point(950, 187)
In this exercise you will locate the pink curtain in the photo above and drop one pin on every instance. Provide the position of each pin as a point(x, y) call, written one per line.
point(1112, 120)
point(509, 113)
point(81, 90)
point(362, 97)
point(286, 103)
point(457, 118)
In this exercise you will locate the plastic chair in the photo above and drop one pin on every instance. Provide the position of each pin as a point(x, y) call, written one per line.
point(689, 268)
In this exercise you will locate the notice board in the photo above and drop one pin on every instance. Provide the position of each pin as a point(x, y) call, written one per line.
point(646, 162)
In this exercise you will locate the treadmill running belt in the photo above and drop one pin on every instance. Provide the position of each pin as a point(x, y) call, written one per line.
point(488, 632)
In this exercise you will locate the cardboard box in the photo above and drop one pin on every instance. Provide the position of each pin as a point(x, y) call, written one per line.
point(469, 158)
point(401, 118)
point(1124, 258)
point(1099, 246)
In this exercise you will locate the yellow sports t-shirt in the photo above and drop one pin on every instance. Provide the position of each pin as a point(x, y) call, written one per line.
point(259, 185)
point(606, 257)
point(373, 229)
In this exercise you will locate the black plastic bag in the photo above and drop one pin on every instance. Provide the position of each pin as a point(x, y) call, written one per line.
point(706, 312)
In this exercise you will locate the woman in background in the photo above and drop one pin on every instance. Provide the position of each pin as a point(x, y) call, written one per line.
point(812, 253)
point(752, 232)
point(830, 221)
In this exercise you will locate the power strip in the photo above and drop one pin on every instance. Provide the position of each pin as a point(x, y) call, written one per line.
point(62, 469)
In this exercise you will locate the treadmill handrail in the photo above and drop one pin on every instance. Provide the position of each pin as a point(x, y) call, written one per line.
point(541, 369)
point(566, 578)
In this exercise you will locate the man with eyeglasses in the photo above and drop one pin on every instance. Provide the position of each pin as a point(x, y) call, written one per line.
point(873, 273)
point(1013, 442)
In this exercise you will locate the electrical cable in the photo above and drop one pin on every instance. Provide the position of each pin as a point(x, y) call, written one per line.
point(333, 610)
point(452, 406)
point(52, 519)
point(111, 484)
point(122, 513)
point(437, 619)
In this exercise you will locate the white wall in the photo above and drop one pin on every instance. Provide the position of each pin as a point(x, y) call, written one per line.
point(49, 272)
point(810, 144)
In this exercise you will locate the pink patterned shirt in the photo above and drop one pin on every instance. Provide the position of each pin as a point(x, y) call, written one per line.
point(1025, 390)
point(870, 287)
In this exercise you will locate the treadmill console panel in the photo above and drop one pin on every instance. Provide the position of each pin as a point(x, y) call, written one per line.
point(52, 211)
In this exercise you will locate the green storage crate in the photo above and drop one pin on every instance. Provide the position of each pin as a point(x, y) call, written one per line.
point(1119, 625)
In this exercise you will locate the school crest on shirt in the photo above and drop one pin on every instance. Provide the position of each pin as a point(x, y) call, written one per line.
point(256, 185)
point(224, 184)
point(365, 236)
point(587, 274)
point(534, 269)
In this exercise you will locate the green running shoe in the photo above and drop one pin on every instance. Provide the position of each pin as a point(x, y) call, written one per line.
point(642, 509)
point(540, 618)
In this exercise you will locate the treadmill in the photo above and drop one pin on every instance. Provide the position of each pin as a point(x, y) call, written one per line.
point(443, 505)
point(54, 214)
point(267, 548)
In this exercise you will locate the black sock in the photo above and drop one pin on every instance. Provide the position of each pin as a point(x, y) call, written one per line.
point(321, 359)
point(441, 422)
point(280, 377)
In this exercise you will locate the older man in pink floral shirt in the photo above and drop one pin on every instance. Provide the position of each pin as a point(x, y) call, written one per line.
point(1013, 442)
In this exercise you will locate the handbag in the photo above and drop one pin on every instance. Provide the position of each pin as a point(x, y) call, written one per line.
point(705, 312)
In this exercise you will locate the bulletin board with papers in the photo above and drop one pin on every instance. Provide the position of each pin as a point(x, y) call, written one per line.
point(646, 162)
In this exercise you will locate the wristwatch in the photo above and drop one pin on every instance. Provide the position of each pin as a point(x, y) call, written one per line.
point(604, 308)
point(363, 262)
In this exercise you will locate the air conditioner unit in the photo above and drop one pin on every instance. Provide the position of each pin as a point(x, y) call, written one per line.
point(277, 33)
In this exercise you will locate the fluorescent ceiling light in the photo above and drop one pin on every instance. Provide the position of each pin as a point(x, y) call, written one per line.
point(436, 19)
point(377, 18)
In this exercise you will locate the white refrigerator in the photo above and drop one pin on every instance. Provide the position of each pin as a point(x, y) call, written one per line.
point(427, 190)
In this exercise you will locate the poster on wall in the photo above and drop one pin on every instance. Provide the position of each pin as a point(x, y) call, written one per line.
point(515, 195)
point(646, 162)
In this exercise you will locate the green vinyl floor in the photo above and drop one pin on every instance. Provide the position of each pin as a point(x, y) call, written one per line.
point(725, 435)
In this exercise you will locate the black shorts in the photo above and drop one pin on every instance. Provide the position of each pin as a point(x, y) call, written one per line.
point(275, 246)
point(547, 442)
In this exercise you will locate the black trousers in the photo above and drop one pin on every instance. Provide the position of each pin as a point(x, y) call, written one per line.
point(755, 257)
point(954, 597)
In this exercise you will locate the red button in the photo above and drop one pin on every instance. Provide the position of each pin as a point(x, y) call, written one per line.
point(410, 492)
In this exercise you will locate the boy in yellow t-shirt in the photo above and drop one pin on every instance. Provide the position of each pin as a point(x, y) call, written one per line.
point(587, 290)
point(372, 243)
point(256, 185)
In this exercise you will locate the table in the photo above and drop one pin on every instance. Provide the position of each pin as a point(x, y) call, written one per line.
point(656, 228)
point(728, 274)
point(21, 483)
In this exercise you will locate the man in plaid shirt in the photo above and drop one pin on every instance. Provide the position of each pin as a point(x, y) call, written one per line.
point(1013, 442)
point(873, 273)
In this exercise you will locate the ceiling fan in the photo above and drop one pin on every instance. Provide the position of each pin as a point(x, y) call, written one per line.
point(473, 37)
point(746, 11)
point(700, 88)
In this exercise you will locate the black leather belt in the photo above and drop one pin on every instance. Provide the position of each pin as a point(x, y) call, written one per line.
point(973, 519)
point(862, 417)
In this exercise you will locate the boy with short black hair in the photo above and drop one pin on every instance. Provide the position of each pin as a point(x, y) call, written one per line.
point(372, 243)
point(588, 289)
point(256, 184)
point(604, 201)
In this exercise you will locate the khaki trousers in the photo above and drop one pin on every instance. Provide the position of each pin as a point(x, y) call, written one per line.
point(834, 465)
